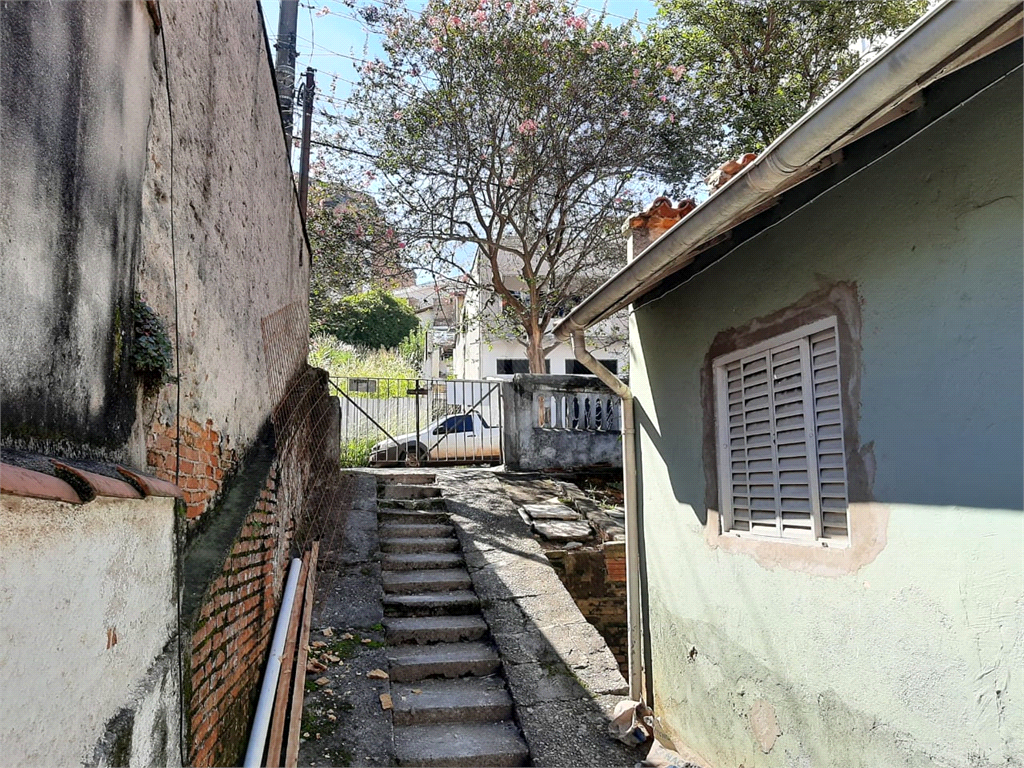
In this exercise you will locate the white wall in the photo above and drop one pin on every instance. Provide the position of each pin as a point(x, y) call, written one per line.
point(87, 602)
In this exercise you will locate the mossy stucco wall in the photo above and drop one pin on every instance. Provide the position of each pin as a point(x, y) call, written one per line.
point(902, 650)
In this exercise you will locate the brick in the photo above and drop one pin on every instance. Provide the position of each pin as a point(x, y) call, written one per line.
point(189, 453)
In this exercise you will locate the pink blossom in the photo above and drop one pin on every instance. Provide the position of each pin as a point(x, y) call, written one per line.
point(455, 22)
point(401, 245)
point(498, 60)
point(671, 117)
point(624, 113)
point(599, 45)
point(368, 67)
point(397, 115)
point(433, 22)
point(435, 45)
point(508, 7)
point(636, 73)
point(510, 181)
point(359, 231)
point(323, 12)
point(480, 16)
point(527, 127)
point(677, 72)
point(576, 22)
point(663, 98)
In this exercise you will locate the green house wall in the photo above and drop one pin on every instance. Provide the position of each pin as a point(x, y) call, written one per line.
point(908, 647)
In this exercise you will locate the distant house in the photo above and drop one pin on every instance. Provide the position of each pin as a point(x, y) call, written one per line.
point(436, 306)
point(826, 361)
point(482, 350)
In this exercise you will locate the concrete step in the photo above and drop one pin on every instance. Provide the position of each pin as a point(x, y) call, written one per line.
point(470, 699)
point(417, 561)
point(405, 478)
point(455, 603)
point(462, 744)
point(410, 492)
point(416, 531)
point(433, 629)
point(418, 662)
point(418, 545)
point(412, 504)
point(436, 580)
point(411, 516)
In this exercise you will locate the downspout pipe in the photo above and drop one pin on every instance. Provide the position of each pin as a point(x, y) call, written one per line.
point(633, 609)
point(922, 50)
point(261, 722)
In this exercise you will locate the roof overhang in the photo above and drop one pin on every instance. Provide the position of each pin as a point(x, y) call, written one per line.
point(953, 35)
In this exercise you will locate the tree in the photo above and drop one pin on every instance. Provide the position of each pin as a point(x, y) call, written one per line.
point(353, 247)
point(516, 134)
point(374, 319)
point(755, 66)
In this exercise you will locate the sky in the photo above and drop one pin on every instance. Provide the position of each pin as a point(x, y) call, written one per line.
point(336, 43)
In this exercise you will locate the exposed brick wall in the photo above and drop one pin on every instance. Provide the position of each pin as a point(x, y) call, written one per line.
point(233, 632)
point(206, 460)
point(596, 579)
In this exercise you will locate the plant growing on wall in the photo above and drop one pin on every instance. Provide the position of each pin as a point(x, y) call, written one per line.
point(152, 353)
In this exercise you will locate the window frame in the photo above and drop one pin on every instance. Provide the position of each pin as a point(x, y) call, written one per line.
point(723, 451)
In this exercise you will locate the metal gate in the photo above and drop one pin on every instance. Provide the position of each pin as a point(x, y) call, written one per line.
point(386, 422)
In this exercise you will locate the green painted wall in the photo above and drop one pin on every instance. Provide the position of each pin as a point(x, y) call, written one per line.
point(916, 657)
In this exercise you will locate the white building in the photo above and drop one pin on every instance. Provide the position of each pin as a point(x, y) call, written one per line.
point(482, 353)
point(436, 307)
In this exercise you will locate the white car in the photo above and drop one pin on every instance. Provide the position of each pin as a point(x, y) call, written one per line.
point(466, 438)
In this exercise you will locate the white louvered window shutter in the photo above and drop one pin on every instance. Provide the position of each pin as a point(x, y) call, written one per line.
point(781, 458)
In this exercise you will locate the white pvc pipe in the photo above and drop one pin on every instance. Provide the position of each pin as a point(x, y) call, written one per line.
point(261, 722)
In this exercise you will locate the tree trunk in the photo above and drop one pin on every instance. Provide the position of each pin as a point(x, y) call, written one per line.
point(535, 348)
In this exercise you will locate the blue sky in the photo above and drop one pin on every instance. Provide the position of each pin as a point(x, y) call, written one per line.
point(332, 43)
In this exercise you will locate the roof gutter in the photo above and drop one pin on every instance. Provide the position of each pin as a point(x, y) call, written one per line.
point(915, 58)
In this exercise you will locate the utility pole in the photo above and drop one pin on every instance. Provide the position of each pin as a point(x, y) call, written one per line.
point(284, 67)
point(306, 94)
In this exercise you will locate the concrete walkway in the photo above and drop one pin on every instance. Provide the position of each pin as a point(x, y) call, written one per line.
point(451, 598)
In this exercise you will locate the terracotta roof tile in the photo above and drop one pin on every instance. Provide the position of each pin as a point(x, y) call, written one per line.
point(89, 485)
point(661, 215)
point(151, 486)
point(18, 481)
point(728, 169)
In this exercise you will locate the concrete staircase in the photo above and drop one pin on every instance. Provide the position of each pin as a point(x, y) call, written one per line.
point(451, 705)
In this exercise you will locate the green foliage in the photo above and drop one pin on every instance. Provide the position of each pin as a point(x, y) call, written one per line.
point(343, 361)
point(755, 66)
point(414, 346)
point(152, 353)
point(375, 319)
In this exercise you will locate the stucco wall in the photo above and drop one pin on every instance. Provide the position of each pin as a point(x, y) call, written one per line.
point(239, 251)
point(902, 650)
point(87, 603)
point(73, 155)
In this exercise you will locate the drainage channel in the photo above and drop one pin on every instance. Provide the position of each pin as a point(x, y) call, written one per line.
point(451, 706)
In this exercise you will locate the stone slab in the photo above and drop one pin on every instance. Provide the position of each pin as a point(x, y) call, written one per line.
point(418, 662)
point(574, 734)
point(564, 530)
point(431, 604)
point(419, 545)
point(469, 699)
point(551, 510)
point(463, 744)
point(415, 561)
point(434, 580)
point(434, 629)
